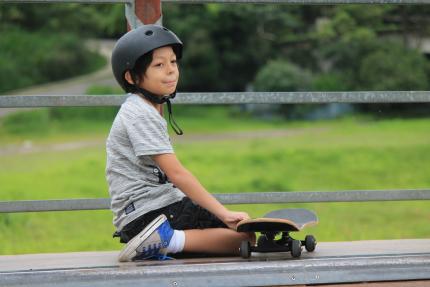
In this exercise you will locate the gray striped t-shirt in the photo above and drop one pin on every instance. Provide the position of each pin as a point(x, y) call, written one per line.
point(136, 184)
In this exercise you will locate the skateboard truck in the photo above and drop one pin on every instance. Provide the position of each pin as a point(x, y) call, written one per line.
point(267, 243)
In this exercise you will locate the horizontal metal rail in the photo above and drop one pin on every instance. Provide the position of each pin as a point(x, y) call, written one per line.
point(229, 198)
point(303, 2)
point(8, 101)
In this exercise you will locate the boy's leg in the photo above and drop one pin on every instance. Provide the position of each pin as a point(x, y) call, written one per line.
point(204, 233)
point(215, 240)
point(158, 238)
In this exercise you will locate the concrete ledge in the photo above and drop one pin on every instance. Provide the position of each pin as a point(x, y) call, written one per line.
point(332, 262)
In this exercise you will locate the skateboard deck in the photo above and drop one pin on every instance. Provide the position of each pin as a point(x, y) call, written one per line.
point(293, 219)
point(278, 222)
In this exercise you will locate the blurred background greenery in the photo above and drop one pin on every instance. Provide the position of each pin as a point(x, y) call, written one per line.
point(235, 47)
point(229, 148)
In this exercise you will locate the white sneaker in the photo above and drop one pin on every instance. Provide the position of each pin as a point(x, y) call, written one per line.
point(151, 242)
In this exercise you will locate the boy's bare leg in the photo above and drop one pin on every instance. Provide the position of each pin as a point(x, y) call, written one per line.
point(215, 240)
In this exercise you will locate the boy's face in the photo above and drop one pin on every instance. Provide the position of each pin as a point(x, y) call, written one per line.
point(162, 75)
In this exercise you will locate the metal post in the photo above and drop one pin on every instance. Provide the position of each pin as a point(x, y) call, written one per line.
point(140, 12)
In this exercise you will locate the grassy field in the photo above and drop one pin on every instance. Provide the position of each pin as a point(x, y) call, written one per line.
point(347, 154)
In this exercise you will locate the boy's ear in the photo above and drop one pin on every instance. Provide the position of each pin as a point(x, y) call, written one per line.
point(128, 78)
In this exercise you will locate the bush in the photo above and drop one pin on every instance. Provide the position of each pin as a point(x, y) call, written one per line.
point(282, 76)
point(329, 82)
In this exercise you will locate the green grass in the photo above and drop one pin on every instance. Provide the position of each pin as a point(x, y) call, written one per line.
point(352, 153)
point(44, 125)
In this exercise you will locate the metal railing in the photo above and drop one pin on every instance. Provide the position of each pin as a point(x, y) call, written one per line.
point(230, 198)
point(227, 98)
point(301, 2)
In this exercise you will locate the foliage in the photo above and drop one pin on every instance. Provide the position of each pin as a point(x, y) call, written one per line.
point(278, 76)
point(85, 20)
point(330, 81)
point(227, 46)
point(28, 58)
point(226, 56)
point(393, 67)
point(359, 59)
point(335, 45)
point(364, 61)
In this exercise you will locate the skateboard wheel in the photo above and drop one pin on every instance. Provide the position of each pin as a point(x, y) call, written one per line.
point(245, 249)
point(296, 248)
point(310, 243)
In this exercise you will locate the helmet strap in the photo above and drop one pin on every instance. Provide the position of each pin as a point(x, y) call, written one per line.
point(153, 98)
point(172, 121)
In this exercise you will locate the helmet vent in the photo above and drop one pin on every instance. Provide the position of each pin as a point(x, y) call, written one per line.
point(149, 33)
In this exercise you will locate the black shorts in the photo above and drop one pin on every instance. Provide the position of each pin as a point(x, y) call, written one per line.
point(182, 215)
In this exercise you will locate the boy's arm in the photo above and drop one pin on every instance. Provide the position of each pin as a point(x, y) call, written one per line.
point(188, 184)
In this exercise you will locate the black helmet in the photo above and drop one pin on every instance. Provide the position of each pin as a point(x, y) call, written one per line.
point(135, 43)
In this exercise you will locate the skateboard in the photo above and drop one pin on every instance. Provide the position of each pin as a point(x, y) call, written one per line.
point(277, 222)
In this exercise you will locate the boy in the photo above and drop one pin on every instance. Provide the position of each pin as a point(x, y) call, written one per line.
point(159, 206)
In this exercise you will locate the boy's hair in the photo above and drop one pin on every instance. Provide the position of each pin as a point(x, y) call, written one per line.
point(138, 71)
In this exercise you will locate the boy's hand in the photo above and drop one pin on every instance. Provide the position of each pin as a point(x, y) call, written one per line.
point(231, 218)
